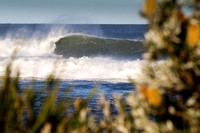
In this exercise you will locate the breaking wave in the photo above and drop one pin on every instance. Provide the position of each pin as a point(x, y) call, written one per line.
point(79, 45)
point(83, 57)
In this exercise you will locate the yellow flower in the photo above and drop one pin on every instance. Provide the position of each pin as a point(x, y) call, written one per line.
point(154, 97)
point(150, 6)
point(193, 33)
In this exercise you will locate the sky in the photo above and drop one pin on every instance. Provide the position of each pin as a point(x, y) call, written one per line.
point(71, 11)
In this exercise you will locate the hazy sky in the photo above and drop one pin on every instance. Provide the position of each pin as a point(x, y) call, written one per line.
point(71, 11)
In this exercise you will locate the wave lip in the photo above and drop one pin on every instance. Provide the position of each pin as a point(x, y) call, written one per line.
point(80, 45)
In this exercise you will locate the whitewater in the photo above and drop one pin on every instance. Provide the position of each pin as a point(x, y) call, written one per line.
point(37, 56)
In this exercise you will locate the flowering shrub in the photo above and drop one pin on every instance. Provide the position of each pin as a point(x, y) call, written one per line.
point(168, 96)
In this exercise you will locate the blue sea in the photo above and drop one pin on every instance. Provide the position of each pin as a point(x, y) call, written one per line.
point(85, 56)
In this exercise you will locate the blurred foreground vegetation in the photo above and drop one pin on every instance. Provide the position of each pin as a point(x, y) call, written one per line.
point(167, 95)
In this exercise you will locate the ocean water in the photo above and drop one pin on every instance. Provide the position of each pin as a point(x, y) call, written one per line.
point(84, 55)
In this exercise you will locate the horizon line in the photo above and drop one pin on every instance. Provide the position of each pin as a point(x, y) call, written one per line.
point(82, 23)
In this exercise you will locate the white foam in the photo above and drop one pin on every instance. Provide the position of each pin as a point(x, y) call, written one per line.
point(101, 68)
point(84, 68)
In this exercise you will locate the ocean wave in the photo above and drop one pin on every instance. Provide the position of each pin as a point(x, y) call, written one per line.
point(84, 57)
point(79, 45)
